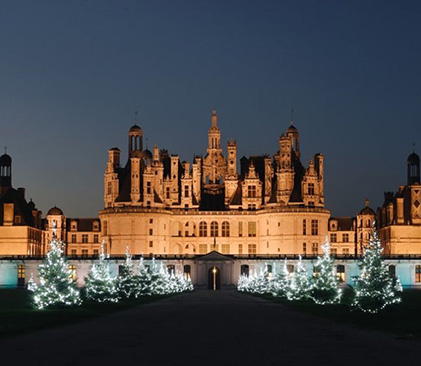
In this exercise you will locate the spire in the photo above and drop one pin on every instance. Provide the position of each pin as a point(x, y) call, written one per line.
point(214, 119)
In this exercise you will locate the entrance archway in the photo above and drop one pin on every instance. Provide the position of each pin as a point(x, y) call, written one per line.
point(214, 278)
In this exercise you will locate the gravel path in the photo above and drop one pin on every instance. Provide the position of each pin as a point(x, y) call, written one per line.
point(208, 328)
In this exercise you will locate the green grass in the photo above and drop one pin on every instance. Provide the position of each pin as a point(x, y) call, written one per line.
point(402, 319)
point(17, 316)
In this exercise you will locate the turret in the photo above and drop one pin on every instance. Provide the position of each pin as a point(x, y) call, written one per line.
point(5, 173)
point(135, 141)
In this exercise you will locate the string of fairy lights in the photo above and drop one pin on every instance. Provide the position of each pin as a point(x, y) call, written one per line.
point(374, 289)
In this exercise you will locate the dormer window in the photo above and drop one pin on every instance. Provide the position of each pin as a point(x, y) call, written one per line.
point(310, 189)
point(251, 190)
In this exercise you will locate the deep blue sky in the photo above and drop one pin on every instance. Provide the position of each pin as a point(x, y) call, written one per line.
point(72, 73)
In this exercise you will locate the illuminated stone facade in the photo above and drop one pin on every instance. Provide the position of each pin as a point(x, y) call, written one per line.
point(156, 204)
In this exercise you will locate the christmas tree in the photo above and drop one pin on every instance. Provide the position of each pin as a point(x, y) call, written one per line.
point(243, 283)
point(160, 281)
point(100, 286)
point(126, 281)
point(374, 289)
point(260, 283)
point(56, 287)
point(281, 282)
point(299, 287)
point(325, 289)
point(142, 280)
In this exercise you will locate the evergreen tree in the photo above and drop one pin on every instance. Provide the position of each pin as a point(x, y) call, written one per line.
point(56, 287)
point(243, 283)
point(281, 282)
point(374, 289)
point(325, 289)
point(142, 280)
point(300, 286)
point(100, 286)
point(159, 280)
point(126, 282)
point(260, 282)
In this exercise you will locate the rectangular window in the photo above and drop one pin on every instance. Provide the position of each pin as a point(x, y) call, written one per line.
point(225, 248)
point(304, 227)
point(148, 188)
point(310, 191)
point(314, 227)
point(21, 275)
point(333, 238)
point(240, 229)
point(109, 188)
point(73, 252)
point(345, 238)
point(252, 229)
point(315, 248)
point(151, 232)
point(84, 238)
point(96, 238)
point(345, 251)
point(240, 248)
point(72, 272)
point(167, 192)
point(251, 190)
point(105, 228)
point(305, 248)
point(151, 221)
point(203, 248)
point(333, 251)
point(186, 191)
point(84, 252)
point(150, 244)
point(417, 273)
point(96, 252)
point(73, 238)
point(252, 248)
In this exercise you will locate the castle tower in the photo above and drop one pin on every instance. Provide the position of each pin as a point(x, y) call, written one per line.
point(214, 163)
point(111, 186)
point(5, 173)
point(413, 162)
point(135, 141)
point(294, 136)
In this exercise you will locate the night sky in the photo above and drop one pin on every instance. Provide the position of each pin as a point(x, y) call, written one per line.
point(73, 73)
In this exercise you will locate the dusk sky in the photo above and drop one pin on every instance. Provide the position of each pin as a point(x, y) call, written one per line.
point(72, 74)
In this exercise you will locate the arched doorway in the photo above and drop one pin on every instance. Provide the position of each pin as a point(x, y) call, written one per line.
point(214, 278)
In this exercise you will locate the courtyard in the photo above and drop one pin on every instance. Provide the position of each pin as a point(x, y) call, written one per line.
point(208, 328)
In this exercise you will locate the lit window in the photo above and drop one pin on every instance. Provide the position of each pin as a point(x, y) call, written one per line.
point(417, 273)
point(72, 272)
point(203, 248)
point(225, 248)
point(240, 248)
point(340, 272)
point(252, 228)
point(252, 248)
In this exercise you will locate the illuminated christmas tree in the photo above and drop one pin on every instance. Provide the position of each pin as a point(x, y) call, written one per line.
point(142, 280)
point(281, 282)
point(325, 289)
point(243, 283)
point(374, 288)
point(159, 279)
point(56, 286)
point(100, 286)
point(260, 283)
point(299, 286)
point(126, 281)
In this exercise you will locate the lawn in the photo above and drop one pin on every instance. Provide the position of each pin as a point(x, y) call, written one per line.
point(17, 316)
point(403, 319)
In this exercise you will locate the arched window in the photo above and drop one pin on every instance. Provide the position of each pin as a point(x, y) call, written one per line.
point(203, 229)
point(340, 272)
point(214, 229)
point(392, 271)
point(225, 229)
point(245, 270)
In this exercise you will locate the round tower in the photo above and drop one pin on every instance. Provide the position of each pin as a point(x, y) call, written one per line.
point(5, 172)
